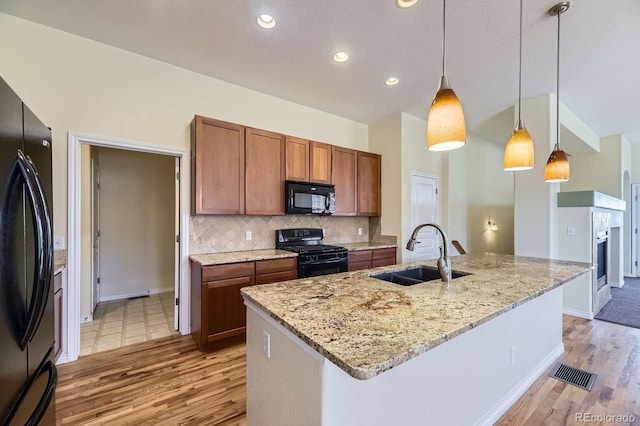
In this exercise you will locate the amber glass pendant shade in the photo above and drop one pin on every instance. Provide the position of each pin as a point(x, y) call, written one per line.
point(557, 168)
point(518, 155)
point(445, 124)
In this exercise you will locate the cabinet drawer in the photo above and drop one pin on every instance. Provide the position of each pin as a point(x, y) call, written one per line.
point(276, 265)
point(230, 270)
point(383, 253)
point(355, 266)
point(57, 282)
point(359, 256)
point(387, 261)
point(276, 276)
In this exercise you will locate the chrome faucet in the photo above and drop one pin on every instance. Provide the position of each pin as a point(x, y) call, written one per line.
point(444, 262)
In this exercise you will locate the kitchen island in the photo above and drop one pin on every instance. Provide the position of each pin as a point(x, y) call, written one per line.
point(351, 349)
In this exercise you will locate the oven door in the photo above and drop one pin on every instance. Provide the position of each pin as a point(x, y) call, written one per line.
point(314, 268)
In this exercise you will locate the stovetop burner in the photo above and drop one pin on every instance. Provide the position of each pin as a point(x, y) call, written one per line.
point(304, 241)
point(313, 248)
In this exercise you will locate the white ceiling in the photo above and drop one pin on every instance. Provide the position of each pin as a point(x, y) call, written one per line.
point(600, 52)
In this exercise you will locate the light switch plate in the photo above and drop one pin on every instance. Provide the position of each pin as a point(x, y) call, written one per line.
point(359, 231)
point(58, 243)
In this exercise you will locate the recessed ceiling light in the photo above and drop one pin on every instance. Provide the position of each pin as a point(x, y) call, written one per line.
point(266, 21)
point(340, 57)
point(403, 4)
point(392, 81)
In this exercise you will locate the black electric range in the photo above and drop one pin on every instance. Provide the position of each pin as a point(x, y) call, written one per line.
point(314, 257)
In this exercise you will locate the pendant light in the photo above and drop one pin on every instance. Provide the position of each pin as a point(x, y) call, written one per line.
point(557, 168)
point(445, 123)
point(518, 155)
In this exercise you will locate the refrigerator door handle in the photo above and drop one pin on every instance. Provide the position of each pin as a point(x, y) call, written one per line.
point(48, 366)
point(24, 170)
point(45, 249)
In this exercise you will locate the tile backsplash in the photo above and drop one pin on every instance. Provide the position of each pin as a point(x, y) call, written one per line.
point(220, 233)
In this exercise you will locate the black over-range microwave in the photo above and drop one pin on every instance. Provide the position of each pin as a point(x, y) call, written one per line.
point(309, 198)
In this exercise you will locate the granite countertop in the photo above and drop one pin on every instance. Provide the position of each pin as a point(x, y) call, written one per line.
point(58, 266)
point(367, 326)
point(366, 246)
point(240, 256)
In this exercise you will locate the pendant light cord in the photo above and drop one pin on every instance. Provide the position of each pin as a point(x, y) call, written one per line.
point(520, 71)
point(444, 33)
point(557, 148)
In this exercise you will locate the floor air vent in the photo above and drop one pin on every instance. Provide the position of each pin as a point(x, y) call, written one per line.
point(573, 376)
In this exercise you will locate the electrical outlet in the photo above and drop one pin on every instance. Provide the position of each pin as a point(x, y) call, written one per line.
point(58, 243)
point(248, 236)
point(571, 231)
point(266, 343)
point(513, 355)
point(359, 231)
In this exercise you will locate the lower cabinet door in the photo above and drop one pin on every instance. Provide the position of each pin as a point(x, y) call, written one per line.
point(224, 313)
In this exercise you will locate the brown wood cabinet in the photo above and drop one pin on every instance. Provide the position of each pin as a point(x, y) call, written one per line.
point(367, 259)
point(297, 159)
point(265, 172)
point(319, 162)
point(217, 167)
point(308, 161)
point(218, 313)
point(369, 184)
point(240, 170)
point(344, 166)
point(57, 314)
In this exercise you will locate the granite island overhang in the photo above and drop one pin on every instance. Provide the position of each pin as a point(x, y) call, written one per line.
point(365, 327)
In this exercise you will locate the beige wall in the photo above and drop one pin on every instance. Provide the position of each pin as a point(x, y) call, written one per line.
point(601, 171)
point(96, 89)
point(137, 223)
point(473, 186)
point(385, 139)
point(478, 190)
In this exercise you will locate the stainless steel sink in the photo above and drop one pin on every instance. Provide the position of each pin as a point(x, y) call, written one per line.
point(414, 276)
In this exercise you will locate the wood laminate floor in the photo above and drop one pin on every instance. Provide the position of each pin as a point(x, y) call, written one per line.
point(169, 382)
point(160, 382)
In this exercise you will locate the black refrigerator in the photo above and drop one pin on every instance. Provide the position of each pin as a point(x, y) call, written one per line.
point(27, 371)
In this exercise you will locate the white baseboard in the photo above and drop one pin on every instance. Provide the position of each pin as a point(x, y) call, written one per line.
point(617, 285)
point(62, 359)
point(497, 411)
point(88, 318)
point(135, 294)
point(577, 313)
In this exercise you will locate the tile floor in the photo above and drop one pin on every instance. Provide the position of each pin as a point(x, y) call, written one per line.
point(124, 322)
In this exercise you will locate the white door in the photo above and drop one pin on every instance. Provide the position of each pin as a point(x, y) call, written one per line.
point(424, 209)
point(176, 311)
point(95, 234)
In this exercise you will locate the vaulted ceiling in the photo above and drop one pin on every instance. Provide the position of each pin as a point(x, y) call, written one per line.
point(600, 52)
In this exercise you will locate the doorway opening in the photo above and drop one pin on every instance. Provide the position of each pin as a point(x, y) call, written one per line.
point(128, 296)
point(130, 228)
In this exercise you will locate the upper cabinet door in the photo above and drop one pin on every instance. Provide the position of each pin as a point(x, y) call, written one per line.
point(265, 172)
point(217, 167)
point(344, 176)
point(320, 162)
point(369, 183)
point(297, 154)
